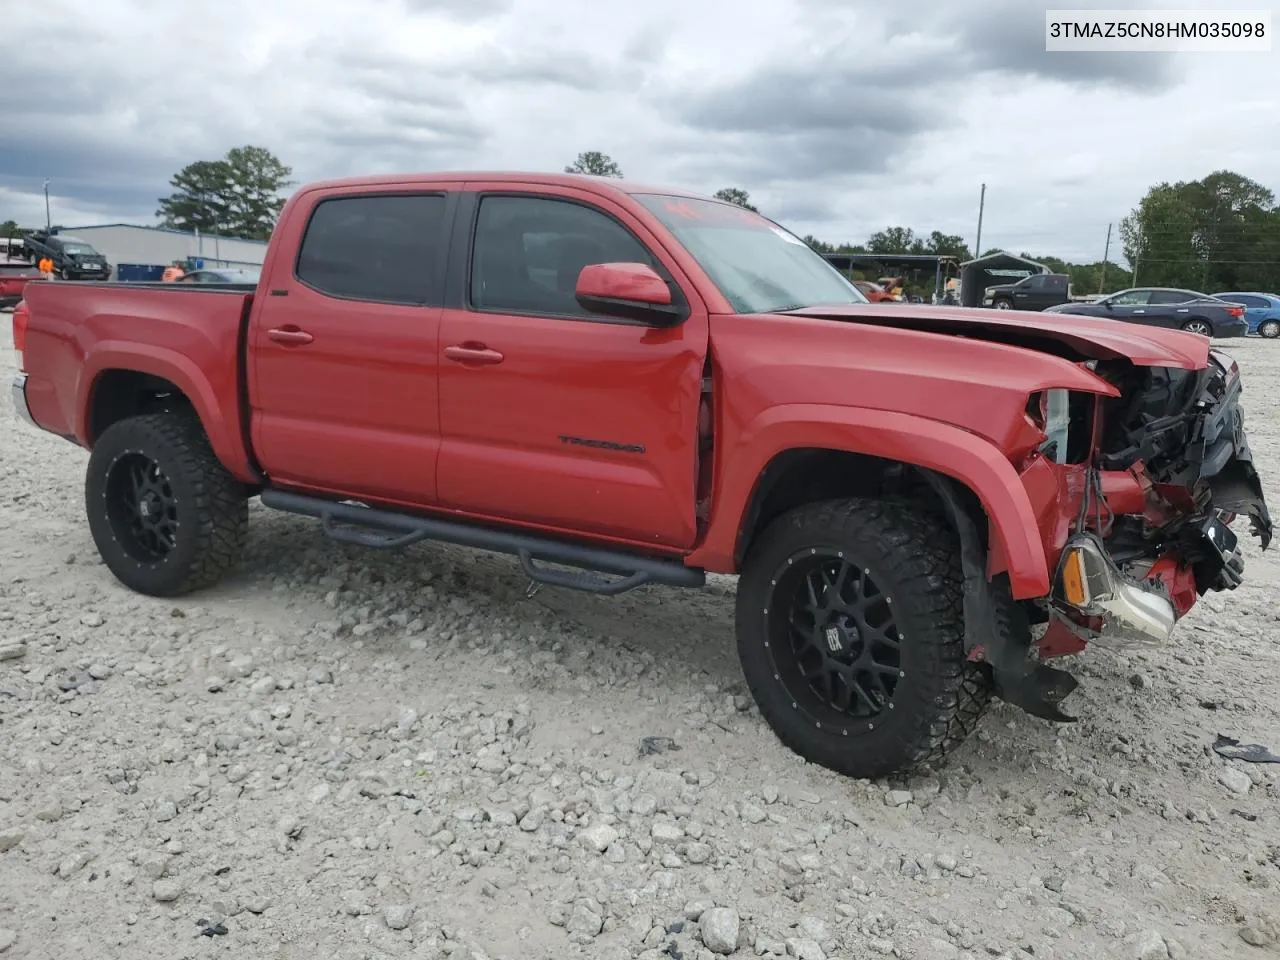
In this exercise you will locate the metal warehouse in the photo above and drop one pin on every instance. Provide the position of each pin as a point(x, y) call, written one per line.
point(142, 253)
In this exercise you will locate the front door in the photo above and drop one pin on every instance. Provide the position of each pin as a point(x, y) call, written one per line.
point(550, 414)
point(343, 350)
point(1130, 305)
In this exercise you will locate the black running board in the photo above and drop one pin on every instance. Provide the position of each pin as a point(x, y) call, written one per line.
point(351, 522)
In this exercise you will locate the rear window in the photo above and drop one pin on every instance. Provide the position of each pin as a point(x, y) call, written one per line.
point(379, 248)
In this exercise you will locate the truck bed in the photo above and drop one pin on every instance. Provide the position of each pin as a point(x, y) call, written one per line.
point(85, 331)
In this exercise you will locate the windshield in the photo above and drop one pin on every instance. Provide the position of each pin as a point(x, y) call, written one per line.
point(78, 249)
point(757, 265)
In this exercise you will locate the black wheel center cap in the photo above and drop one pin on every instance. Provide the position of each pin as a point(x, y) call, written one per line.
point(149, 507)
point(840, 638)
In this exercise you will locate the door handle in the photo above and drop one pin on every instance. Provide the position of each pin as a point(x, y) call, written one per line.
point(472, 353)
point(290, 336)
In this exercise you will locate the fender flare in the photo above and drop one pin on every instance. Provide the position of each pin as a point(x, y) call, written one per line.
point(224, 434)
point(965, 457)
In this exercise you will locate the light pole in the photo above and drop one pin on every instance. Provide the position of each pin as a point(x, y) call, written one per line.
point(48, 221)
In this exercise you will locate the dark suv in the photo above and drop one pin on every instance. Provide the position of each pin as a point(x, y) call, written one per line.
point(73, 259)
point(1036, 292)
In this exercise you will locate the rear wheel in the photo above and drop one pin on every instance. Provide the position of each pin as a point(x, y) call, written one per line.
point(1201, 327)
point(1269, 329)
point(166, 516)
point(850, 632)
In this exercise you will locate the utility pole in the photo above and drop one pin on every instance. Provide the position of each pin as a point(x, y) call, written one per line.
point(48, 221)
point(1102, 281)
point(982, 202)
point(1137, 255)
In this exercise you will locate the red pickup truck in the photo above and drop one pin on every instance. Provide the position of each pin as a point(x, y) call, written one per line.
point(14, 277)
point(624, 385)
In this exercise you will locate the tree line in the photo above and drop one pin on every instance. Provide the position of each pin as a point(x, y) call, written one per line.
point(1215, 234)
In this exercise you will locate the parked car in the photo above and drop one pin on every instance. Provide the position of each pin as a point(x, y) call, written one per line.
point(1167, 307)
point(1036, 292)
point(73, 259)
point(685, 387)
point(1261, 311)
point(874, 292)
point(14, 278)
point(242, 275)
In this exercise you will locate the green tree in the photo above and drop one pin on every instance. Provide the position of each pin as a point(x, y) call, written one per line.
point(895, 240)
point(1218, 233)
point(736, 196)
point(820, 246)
point(947, 245)
point(239, 195)
point(593, 163)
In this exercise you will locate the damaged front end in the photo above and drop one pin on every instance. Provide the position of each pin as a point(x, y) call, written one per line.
point(1172, 470)
point(1134, 496)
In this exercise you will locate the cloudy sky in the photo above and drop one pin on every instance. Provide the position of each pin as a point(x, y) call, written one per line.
point(839, 116)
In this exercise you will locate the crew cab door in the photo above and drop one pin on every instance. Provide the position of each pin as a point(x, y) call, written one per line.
point(343, 344)
point(549, 414)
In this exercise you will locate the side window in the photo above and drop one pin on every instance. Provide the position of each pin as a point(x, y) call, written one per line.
point(385, 249)
point(1057, 282)
point(1035, 282)
point(528, 252)
point(1167, 298)
point(1133, 298)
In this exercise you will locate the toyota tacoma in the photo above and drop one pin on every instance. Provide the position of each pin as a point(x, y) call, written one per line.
point(621, 386)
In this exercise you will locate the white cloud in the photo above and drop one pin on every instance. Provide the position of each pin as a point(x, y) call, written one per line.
point(838, 119)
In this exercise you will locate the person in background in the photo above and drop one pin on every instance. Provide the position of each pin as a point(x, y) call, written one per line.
point(173, 272)
point(45, 266)
point(895, 288)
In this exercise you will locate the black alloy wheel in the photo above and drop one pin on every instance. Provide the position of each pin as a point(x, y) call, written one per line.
point(833, 639)
point(141, 507)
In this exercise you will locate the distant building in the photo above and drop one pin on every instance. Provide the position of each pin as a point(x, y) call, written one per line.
point(141, 253)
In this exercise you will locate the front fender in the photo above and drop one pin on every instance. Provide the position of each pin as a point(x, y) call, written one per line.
point(222, 429)
point(967, 458)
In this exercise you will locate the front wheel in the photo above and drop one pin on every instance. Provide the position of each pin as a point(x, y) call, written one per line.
point(66, 274)
point(165, 514)
point(1269, 329)
point(1003, 304)
point(850, 631)
point(1198, 326)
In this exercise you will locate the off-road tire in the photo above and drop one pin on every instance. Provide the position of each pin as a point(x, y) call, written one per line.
point(1269, 329)
point(211, 506)
point(941, 696)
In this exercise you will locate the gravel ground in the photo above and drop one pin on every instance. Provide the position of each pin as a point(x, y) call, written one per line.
point(344, 754)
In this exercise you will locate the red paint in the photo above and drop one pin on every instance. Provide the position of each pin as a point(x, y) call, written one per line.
point(1059, 640)
point(1179, 579)
point(623, 281)
point(14, 278)
point(1126, 491)
point(499, 417)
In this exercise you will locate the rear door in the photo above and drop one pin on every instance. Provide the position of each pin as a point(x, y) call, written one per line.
point(552, 415)
point(343, 346)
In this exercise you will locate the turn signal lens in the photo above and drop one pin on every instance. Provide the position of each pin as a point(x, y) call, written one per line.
point(1073, 579)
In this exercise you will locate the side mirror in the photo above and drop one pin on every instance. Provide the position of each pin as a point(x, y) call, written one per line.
point(1107, 304)
point(633, 291)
